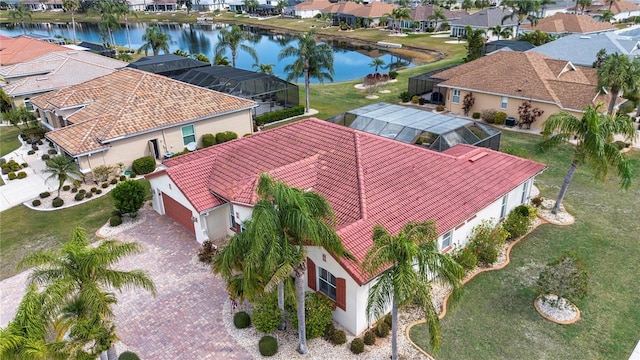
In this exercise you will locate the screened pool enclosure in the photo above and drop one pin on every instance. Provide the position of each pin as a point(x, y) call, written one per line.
point(414, 126)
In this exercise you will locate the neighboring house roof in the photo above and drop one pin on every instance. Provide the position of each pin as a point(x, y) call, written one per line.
point(167, 64)
point(562, 23)
point(374, 9)
point(527, 75)
point(487, 18)
point(582, 49)
point(366, 178)
point(422, 12)
point(598, 7)
point(24, 48)
point(56, 70)
point(128, 102)
point(313, 5)
point(98, 48)
point(342, 7)
point(514, 45)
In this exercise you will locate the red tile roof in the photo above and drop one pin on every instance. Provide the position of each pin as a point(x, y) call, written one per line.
point(22, 48)
point(367, 179)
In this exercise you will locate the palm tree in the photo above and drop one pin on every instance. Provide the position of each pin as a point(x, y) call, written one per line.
point(543, 6)
point(595, 148)
point(312, 60)
point(20, 11)
point(617, 74)
point(19, 115)
point(500, 31)
point(611, 2)
point(475, 42)
point(583, 4)
point(407, 260)
point(220, 59)
point(79, 279)
point(122, 10)
point(232, 40)
point(155, 40)
point(108, 20)
point(399, 14)
point(62, 168)
point(438, 14)
point(376, 63)
point(71, 6)
point(280, 6)
point(264, 68)
point(607, 16)
point(522, 10)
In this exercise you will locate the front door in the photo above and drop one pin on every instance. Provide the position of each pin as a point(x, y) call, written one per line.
point(155, 149)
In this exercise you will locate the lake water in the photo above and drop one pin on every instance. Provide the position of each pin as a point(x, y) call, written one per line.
point(349, 63)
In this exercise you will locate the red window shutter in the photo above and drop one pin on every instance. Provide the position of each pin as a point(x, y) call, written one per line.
point(311, 274)
point(341, 293)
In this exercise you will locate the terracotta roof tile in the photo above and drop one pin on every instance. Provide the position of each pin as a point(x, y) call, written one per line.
point(22, 48)
point(367, 179)
point(313, 5)
point(569, 23)
point(598, 7)
point(422, 12)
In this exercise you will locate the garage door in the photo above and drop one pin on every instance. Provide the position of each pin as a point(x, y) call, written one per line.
point(177, 212)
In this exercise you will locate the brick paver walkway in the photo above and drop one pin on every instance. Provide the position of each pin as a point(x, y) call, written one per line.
point(184, 320)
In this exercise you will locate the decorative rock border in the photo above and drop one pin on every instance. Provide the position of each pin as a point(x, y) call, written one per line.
point(550, 318)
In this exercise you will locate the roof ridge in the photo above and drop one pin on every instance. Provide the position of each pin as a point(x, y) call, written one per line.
point(361, 188)
point(529, 56)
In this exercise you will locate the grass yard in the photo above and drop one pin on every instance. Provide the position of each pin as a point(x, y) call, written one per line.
point(8, 139)
point(495, 318)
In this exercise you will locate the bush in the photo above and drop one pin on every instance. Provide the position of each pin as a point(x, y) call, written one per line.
point(388, 319)
point(98, 192)
point(45, 194)
point(475, 115)
point(339, 337)
point(206, 252)
point(123, 178)
point(22, 175)
point(279, 115)
point(24, 165)
point(132, 175)
point(500, 118)
point(79, 196)
point(565, 277)
point(519, 220)
point(440, 108)
point(222, 137)
point(66, 188)
point(115, 220)
point(128, 196)
point(357, 346)
point(82, 191)
point(318, 313)
point(94, 189)
point(88, 195)
point(620, 145)
point(52, 152)
point(45, 157)
point(241, 320)
point(104, 185)
point(6, 170)
point(393, 74)
point(487, 240)
point(12, 176)
point(516, 151)
point(329, 330)
point(36, 202)
point(414, 99)
point(143, 165)
point(57, 202)
point(488, 115)
point(266, 315)
point(128, 355)
point(369, 338)
point(405, 96)
point(537, 201)
point(467, 258)
point(34, 147)
point(31, 152)
point(382, 329)
point(208, 140)
point(268, 345)
point(114, 181)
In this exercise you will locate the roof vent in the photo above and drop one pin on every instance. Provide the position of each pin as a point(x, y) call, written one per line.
point(42, 79)
point(585, 37)
point(478, 156)
point(72, 52)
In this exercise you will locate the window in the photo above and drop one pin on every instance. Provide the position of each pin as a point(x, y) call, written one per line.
point(188, 134)
point(28, 105)
point(525, 193)
point(232, 219)
point(446, 240)
point(503, 207)
point(504, 102)
point(456, 96)
point(327, 284)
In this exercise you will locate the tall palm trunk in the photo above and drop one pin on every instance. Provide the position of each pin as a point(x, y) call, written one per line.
point(126, 26)
point(394, 330)
point(281, 304)
point(73, 24)
point(233, 57)
point(302, 331)
point(565, 185)
point(614, 96)
point(306, 86)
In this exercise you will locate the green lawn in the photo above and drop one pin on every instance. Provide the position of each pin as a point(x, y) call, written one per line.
point(495, 318)
point(8, 139)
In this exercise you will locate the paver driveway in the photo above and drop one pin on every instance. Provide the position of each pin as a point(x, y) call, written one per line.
point(184, 320)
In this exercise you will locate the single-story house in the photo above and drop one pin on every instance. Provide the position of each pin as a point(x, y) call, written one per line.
point(421, 14)
point(307, 9)
point(367, 179)
point(484, 19)
point(504, 80)
point(53, 71)
point(621, 9)
point(561, 24)
point(24, 48)
point(129, 114)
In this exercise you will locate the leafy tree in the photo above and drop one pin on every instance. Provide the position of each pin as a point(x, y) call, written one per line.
point(376, 63)
point(467, 4)
point(21, 11)
point(123, 11)
point(499, 31)
point(406, 261)
point(522, 10)
point(312, 60)
point(128, 196)
point(62, 168)
point(537, 37)
point(108, 11)
point(582, 4)
point(565, 277)
point(219, 59)
point(71, 6)
point(617, 74)
point(264, 68)
point(201, 57)
point(475, 43)
point(19, 116)
point(595, 146)
point(233, 40)
point(155, 40)
point(437, 16)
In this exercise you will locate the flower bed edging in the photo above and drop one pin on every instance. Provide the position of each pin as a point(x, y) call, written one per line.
point(561, 322)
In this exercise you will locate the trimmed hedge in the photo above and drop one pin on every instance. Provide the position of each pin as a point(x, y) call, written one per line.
point(143, 165)
point(66, 187)
point(382, 329)
point(339, 337)
point(208, 140)
point(357, 346)
point(279, 115)
point(369, 338)
point(36, 202)
point(12, 176)
point(241, 320)
point(22, 175)
point(268, 345)
point(45, 194)
point(225, 136)
point(79, 196)
point(128, 355)
point(115, 220)
point(57, 202)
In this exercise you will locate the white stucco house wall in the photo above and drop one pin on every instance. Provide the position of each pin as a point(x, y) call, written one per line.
point(367, 179)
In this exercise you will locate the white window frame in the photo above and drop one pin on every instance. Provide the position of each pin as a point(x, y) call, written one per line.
point(525, 192)
point(503, 206)
point(455, 98)
point(188, 136)
point(29, 105)
point(447, 240)
point(504, 102)
point(326, 281)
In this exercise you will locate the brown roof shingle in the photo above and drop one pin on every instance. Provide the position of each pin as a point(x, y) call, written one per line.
point(561, 23)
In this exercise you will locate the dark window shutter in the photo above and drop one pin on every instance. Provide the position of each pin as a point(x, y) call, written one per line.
point(311, 274)
point(341, 293)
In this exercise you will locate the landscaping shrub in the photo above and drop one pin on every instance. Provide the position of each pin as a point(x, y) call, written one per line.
point(128, 355)
point(414, 99)
point(369, 338)
point(537, 201)
point(329, 330)
point(405, 96)
point(339, 337)
point(382, 329)
point(66, 188)
point(128, 196)
point(241, 320)
point(31, 152)
point(132, 175)
point(318, 312)
point(266, 315)
point(620, 145)
point(24, 165)
point(88, 195)
point(123, 178)
point(36, 202)
point(268, 345)
point(82, 191)
point(104, 185)
point(206, 252)
point(487, 240)
point(6, 170)
point(500, 118)
point(440, 108)
point(98, 192)
point(115, 220)
point(519, 220)
point(34, 147)
point(208, 140)
point(45, 194)
point(357, 346)
point(422, 101)
point(45, 157)
point(467, 258)
point(52, 152)
point(388, 319)
point(222, 137)
point(79, 196)
point(626, 107)
point(102, 172)
point(57, 202)
point(143, 165)
point(565, 277)
point(488, 115)
point(114, 181)
point(475, 115)
point(12, 176)
point(279, 115)
point(37, 132)
point(393, 74)
point(94, 189)
point(116, 212)
point(22, 175)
